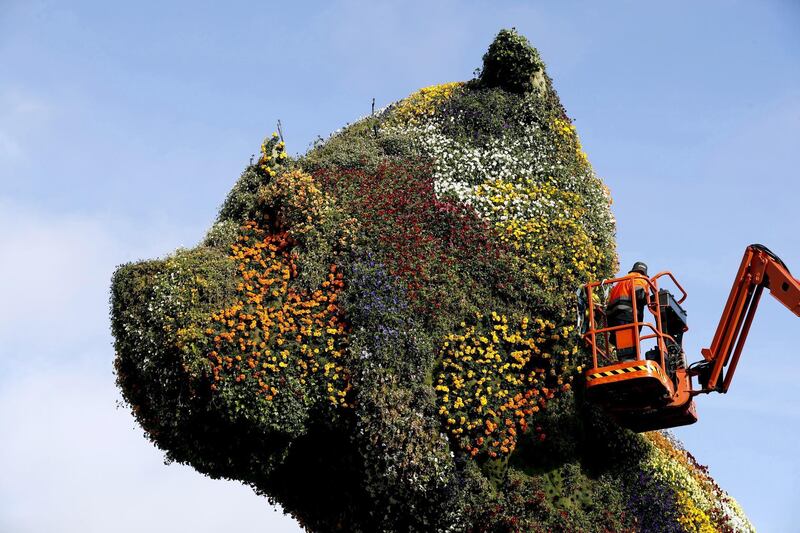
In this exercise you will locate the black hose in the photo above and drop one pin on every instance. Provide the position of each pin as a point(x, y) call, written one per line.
point(771, 254)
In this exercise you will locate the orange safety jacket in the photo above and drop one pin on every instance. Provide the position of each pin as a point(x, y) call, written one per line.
point(625, 290)
point(621, 296)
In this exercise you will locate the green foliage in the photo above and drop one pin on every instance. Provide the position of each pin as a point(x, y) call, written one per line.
point(222, 235)
point(563, 500)
point(363, 145)
point(512, 64)
point(484, 113)
point(240, 202)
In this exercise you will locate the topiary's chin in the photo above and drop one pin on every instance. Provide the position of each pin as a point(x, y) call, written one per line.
point(378, 335)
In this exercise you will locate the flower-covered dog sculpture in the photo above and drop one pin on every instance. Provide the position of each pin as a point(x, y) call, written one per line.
point(378, 335)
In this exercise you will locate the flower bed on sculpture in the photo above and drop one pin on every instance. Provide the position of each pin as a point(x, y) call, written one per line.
point(378, 335)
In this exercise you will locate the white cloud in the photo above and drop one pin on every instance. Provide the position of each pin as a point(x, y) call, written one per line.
point(70, 460)
point(9, 148)
point(20, 114)
point(54, 276)
point(56, 272)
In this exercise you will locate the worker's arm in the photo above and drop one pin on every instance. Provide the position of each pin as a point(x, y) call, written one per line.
point(641, 288)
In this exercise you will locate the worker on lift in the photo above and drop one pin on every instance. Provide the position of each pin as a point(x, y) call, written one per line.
point(619, 310)
point(655, 390)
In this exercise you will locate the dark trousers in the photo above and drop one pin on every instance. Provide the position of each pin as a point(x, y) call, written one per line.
point(623, 340)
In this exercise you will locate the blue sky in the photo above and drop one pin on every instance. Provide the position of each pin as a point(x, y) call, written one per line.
point(123, 125)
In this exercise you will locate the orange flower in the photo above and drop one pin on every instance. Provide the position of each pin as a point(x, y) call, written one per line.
point(302, 325)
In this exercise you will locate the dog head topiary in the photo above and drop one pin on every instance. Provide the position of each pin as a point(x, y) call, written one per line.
point(378, 335)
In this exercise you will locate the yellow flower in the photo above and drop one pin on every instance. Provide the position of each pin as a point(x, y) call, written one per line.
point(422, 103)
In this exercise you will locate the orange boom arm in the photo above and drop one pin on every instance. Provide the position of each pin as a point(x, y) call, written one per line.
point(760, 269)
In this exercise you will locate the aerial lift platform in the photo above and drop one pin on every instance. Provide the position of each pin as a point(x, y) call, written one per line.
point(654, 390)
